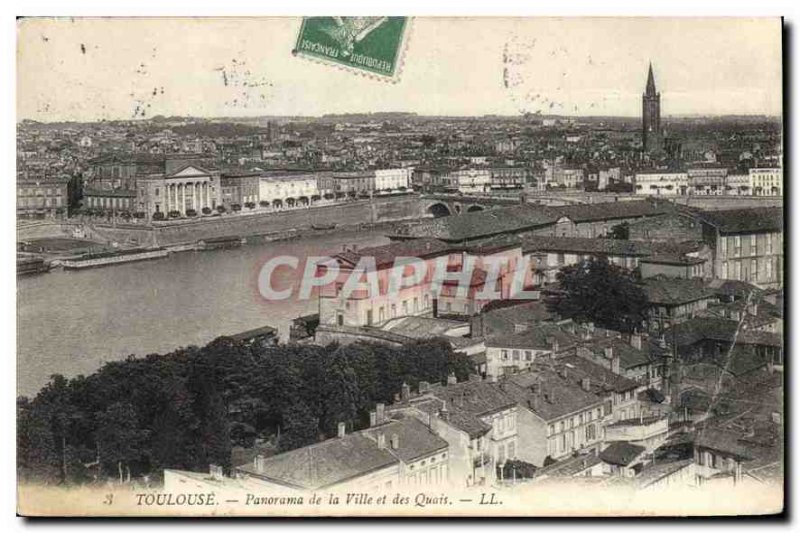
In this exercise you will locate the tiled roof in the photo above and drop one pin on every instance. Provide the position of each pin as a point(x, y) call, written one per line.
point(463, 421)
point(719, 329)
point(415, 439)
point(621, 453)
point(629, 356)
point(483, 224)
point(569, 466)
point(385, 255)
point(419, 327)
point(601, 379)
point(476, 398)
point(548, 394)
point(536, 337)
point(668, 291)
point(323, 464)
point(745, 220)
point(585, 246)
point(500, 316)
point(615, 210)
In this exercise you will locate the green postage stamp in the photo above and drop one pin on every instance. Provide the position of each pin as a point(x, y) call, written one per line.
point(372, 45)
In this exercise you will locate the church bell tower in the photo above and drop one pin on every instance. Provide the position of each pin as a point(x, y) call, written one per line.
point(651, 116)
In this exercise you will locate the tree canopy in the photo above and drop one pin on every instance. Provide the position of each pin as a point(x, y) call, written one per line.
point(188, 408)
point(595, 290)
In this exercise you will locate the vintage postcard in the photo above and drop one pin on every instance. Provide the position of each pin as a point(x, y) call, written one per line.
point(400, 266)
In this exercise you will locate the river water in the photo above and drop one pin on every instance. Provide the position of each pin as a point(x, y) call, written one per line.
point(70, 322)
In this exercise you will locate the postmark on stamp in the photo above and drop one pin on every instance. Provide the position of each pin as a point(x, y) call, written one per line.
point(372, 45)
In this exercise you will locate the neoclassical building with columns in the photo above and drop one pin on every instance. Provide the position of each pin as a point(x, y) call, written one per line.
point(188, 187)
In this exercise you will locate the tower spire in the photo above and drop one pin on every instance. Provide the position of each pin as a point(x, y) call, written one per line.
point(651, 82)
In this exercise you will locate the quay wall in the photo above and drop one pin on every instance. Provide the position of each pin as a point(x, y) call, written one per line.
point(281, 223)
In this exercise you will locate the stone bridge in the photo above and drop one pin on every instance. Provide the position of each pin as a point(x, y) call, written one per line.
point(439, 205)
point(442, 205)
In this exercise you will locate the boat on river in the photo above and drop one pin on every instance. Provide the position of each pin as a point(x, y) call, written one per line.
point(113, 258)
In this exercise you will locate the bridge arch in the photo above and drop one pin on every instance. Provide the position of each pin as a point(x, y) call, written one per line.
point(474, 208)
point(439, 210)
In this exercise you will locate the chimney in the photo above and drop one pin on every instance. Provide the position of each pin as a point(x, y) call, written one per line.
point(380, 413)
point(451, 379)
point(424, 386)
point(553, 343)
point(636, 341)
point(340, 430)
point(608, 352)
point(258, 463)
point(373, 419)
point(586, 384)
point(381, 441)
point(444, 414)
point(615, 364)
point(215, 471)
point(590, 327)
point(405, 391)
point(395, 440)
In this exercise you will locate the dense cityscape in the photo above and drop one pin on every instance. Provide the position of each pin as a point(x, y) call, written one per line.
point(650, 355)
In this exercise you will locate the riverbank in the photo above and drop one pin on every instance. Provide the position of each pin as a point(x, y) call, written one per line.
point(72, 321)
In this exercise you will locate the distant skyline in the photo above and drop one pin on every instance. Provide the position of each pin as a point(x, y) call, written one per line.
point(118, 69)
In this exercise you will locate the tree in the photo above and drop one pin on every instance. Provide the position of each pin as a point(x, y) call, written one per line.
point(206, 210)
point(620, 231)
point(191, 213)
point(120, 440)
point(300, 427)
point(516, 469)
point(606, 294)
point(221, 209)
point(158, 215)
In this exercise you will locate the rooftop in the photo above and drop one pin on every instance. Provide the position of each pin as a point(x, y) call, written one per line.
point(749, 220)
point(621, 453)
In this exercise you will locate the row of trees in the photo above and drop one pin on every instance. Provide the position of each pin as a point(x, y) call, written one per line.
point(186, 409)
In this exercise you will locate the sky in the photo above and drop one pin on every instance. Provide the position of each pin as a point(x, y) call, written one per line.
point(87, 69)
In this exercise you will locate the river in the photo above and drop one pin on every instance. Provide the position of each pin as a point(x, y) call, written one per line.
point(71, 322)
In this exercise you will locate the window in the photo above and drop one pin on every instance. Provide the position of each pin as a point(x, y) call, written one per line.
point(737, 245)
point(562, 445)
point(561, 426)
point(504, 355)
point(753, 244)
point(528, 355)
point(591, 434)
point(550, 430)
point(769, 243)
point(754, 269)
point(515, 355)
point(512, 450)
